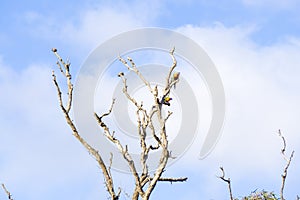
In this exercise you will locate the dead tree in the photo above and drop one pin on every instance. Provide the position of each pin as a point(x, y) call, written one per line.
point(145, 182)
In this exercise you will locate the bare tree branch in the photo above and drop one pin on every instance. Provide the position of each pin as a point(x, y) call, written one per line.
point(66, 73)
point(170, 82)
point(145, 124)
point(144, 120)
point(284, 142)
point(171, 180)
point(122, 149)
point(288, 162)
point(134, 68)
point(9, 195)
point(227, 181)
point(110, 164)
point(66, 109)
point(163, 135)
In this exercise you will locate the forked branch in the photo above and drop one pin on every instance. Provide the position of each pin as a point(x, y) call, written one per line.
point(145, 123)
point(66, 109)
point(227, 180)
point(122, 149)
point(288, 162)
point(144, 119)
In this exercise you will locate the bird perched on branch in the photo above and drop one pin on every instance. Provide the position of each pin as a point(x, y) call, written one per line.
point(167, 100)
point(175, 78)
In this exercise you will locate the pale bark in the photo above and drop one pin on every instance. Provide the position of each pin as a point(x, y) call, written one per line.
point(144, 182)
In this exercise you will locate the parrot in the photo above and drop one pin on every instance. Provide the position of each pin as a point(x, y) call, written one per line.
point(175, 78)
point(167, 100)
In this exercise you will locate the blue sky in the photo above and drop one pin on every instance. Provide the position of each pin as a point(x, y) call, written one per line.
point(255, 46)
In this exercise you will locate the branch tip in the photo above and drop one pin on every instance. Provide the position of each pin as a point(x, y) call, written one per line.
point(172, 50)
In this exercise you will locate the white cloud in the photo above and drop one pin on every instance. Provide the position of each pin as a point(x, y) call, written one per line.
point(261, 85)
point(38, 152)
point(91, 26)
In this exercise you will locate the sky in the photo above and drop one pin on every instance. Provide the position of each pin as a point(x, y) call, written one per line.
point(255, 46)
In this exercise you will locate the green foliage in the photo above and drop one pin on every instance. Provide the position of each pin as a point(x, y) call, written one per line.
point(261, 195)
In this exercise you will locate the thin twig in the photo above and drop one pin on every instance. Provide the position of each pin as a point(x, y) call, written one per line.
point(134, 68)
point(227, 181)
point(171, 180)
point(288, 162)
point(169, 81)
point(66, 109)
point(284, 142)
point(122, 149)
point(9, 196)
